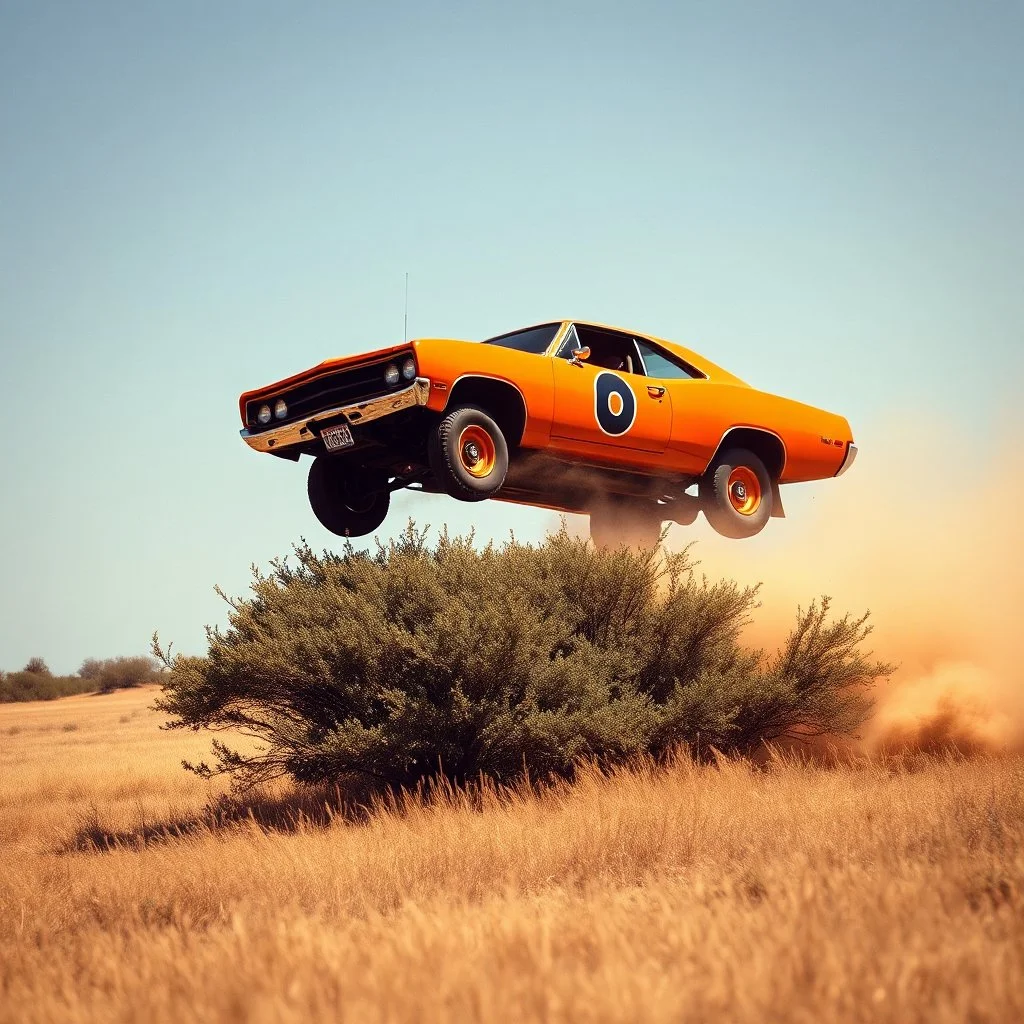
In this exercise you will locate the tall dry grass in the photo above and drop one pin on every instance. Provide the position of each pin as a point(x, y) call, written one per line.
point(693, 893)
point(60, 760)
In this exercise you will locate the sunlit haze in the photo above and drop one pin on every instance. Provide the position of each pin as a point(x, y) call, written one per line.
point(197, 199)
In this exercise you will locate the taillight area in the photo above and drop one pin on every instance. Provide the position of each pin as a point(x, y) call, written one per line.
point(851, 454)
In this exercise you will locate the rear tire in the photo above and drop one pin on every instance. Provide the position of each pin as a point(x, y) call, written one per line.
point(468, 454)
point(348, 501)
point(626, 522)
point(736, 494)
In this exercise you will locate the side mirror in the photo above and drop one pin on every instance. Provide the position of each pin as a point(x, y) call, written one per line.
point(579, 354)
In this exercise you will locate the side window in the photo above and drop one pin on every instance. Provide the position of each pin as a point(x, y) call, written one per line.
point(609, 350)
point(659, 363)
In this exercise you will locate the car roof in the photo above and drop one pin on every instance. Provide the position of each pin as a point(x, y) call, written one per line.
point(712, 370)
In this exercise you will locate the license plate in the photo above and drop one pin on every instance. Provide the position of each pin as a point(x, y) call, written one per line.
point(336, 438)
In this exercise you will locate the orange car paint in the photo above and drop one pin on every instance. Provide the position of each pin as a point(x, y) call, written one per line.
point(679, 424)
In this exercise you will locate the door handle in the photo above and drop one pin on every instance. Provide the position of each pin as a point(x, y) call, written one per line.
point(654, 391)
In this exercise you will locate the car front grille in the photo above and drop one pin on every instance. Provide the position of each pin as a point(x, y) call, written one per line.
point(342, 387)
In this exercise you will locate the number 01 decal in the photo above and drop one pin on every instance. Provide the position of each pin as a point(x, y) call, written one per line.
point(614, 404)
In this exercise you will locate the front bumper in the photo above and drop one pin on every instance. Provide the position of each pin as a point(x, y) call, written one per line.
point(275, 439)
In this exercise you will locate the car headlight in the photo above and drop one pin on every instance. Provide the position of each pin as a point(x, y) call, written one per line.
point(409, 369)
point(264, 414)
point(391, 374)
point(281, 409)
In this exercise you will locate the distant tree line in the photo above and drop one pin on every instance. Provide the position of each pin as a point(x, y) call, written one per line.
point(104, 675)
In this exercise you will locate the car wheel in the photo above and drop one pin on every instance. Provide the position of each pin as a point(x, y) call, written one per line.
point(468, 454)
point(348, 501)
point(631, 522)
point(736, 494)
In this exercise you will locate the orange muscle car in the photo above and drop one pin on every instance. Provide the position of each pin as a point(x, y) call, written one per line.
point(571, 416)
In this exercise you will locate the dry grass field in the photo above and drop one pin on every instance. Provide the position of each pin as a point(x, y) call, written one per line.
point(721, 893)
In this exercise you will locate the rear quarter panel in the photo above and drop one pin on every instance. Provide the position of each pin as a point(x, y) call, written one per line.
point(705, 410)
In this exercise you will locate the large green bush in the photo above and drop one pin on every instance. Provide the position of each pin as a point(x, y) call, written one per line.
point(415, 660)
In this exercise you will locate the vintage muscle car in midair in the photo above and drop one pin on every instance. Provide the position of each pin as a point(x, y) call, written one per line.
point(570, 416)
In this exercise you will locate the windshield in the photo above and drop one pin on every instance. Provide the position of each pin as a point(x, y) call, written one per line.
point(533, 339)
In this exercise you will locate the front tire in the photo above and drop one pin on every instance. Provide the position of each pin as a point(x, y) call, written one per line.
point(347, 501)
point(736, 494)
point(468, 454)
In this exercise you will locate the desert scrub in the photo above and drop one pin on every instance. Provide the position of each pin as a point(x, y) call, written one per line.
point(416, 660)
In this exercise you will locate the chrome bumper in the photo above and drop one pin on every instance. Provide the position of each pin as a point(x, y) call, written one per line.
point(851, 454)
point(300, 431)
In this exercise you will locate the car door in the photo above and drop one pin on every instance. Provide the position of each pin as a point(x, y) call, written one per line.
point(603, 404)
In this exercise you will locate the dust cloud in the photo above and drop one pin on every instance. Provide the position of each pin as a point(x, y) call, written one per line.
point(926, 534)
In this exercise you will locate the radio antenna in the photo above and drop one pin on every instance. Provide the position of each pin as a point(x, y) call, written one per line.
point(405, 330)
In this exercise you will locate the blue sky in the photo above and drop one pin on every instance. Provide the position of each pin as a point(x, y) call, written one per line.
point(198, 198)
